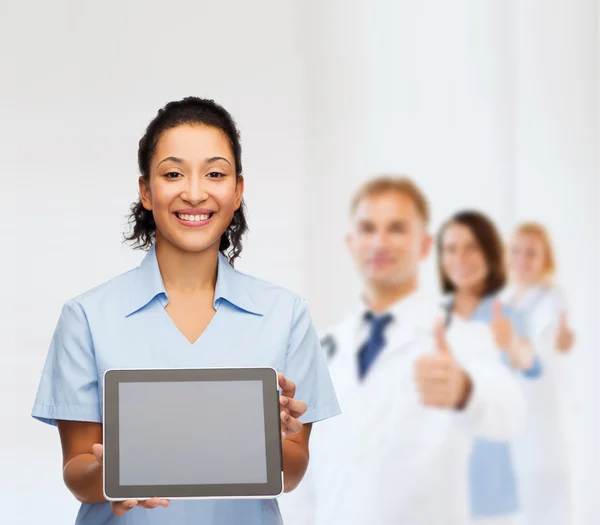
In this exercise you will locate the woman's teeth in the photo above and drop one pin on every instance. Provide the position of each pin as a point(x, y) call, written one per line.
point(193, 218)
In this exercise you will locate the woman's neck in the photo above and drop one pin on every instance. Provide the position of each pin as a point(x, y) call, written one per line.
point(522, 287)
point(465, 302)
point(184, 271)
point(379, 298)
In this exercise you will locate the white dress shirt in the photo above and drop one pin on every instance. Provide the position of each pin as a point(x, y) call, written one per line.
point(388, 460)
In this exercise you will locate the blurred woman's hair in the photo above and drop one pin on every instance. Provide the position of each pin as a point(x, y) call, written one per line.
point(537, 230)
point(489, 240)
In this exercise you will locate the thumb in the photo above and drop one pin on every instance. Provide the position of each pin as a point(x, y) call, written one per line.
point(497, 310)
point(563, 321)
point(441, 344)
point(288, 387)
point(281, 380)
point(98, 451)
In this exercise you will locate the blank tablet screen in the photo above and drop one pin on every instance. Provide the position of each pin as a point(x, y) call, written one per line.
point(171, 435)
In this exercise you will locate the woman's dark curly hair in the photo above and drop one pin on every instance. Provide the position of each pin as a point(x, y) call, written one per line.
point(190, 110)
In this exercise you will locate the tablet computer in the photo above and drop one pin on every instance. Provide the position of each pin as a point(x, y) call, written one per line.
point(192, 433)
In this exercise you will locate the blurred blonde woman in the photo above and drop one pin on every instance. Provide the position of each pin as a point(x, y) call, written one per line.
point(540, 453)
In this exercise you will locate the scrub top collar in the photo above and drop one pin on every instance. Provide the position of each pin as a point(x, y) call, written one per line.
point(232, 286)
point(484, 304)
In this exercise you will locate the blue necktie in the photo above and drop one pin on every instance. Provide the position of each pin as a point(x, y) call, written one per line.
point(374, 344)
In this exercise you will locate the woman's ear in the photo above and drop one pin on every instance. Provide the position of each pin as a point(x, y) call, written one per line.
point(145, 195)
point(239, 192)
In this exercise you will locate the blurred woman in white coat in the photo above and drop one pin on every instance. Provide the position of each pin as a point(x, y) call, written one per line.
point(540, 453)
point(472, 272)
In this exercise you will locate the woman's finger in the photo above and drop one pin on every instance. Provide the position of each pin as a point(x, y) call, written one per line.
point(284, 417)
point(291, 425)
point(294, 407)
point(153, 503)
point(288, 388)
point(119, 508)
point(98, 451)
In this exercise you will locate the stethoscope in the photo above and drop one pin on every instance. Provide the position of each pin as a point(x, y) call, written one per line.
point(448, 307)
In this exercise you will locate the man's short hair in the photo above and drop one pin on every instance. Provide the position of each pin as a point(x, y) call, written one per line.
point(392, 183)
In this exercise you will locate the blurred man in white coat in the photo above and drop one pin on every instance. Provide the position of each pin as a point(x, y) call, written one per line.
point(413, 392)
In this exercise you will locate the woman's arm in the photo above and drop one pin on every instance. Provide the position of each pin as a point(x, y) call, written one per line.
point(82, 469)
point(82, 472)
point(295, 458)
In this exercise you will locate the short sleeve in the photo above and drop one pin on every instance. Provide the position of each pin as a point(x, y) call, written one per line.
point(307, 367)
point(68, 388)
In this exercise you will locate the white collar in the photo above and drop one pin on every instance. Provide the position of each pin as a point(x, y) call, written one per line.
point(530, 295)
point(412, 310)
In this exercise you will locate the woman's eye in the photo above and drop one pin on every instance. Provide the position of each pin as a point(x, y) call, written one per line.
point(215, 175)
point(172, 174)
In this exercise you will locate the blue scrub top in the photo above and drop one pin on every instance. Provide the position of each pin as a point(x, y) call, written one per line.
point(494, 490)
point(123, 324)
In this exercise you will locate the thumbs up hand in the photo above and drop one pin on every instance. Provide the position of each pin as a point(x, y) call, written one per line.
point(564, 336)
point(502, 328)
point(441, 344)
point(519, 351)
point(441, 382)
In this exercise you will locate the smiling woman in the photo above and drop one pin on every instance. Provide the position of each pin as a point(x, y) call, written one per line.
point(472, 273)
point(184, 307)
point(181, 168)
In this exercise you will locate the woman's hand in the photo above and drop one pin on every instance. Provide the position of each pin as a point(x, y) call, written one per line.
point(502, 328)
point(564, 335)
point(121, 507)
point(291, 409)
point(521, 354)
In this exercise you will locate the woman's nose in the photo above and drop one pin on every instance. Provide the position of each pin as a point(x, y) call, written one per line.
point(195, 192)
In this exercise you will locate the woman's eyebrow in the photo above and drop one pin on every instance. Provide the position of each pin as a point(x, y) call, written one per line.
point(177, 160)
point(214, 159)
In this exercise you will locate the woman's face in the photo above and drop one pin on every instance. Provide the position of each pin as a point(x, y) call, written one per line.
point(463, 260)
point(526, 258)
point(192, 192)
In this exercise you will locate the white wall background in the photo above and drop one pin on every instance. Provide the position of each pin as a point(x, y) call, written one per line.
point(492, 105)
point(489, 104)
